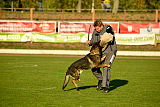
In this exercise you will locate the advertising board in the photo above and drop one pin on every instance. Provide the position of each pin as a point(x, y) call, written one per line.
point(77, 27)
point(27, 26)
point(139, 28)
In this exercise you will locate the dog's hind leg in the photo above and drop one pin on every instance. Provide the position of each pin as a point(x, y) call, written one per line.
point(74, 83)
point(79, 73)
point(66, 81)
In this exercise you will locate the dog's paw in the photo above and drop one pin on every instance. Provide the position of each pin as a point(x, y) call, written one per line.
point(103, 57)
point(109, 66)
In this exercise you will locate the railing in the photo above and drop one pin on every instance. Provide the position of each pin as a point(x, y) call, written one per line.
point(145, 15)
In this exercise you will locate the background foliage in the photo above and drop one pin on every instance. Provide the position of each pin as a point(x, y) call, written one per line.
point(85, 4)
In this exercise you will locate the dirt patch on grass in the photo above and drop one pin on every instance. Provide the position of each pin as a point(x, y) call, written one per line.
point(79, 56)
point(71, 46)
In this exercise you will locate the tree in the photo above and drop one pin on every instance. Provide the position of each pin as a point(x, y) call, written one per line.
point(2, 4)
point(153, 4)
point(29, 3)
point(82, 4)
point(116, 5)
point(79, 6)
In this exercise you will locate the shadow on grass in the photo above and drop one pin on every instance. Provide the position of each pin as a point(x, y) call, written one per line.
point(117, 83)
point(113, 85)
point(81, 88)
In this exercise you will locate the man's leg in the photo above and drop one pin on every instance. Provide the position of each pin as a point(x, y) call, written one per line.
point(107, 71)
point(102, 4)
point(98, 74)
point(106, 77)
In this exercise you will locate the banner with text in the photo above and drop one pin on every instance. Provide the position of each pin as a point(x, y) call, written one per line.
point(77, 27)
point(135, 39)
point(42, 37)
point(139, 28)
point(122, 39)
point(27, 26)
point(45, 31)
point(157, 37)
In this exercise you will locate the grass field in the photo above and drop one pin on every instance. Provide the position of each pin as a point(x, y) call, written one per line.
point(36, 81)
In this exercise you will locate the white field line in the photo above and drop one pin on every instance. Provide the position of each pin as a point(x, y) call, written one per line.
point(76, 52)
point(138, 53)
point(32, 51)
point(36, 89)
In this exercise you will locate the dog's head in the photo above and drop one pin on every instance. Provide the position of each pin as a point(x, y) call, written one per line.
point(95, 49)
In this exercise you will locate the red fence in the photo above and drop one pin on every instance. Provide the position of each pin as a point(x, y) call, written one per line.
point(147, 15)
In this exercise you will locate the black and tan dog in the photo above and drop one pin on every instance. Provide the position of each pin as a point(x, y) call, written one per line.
point(91, 60)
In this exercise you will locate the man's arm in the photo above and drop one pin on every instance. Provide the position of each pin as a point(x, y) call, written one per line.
point(92, 41)
point(109, 29)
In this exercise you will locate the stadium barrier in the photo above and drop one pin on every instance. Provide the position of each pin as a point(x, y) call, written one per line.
point(157, 38)
point(45, 31)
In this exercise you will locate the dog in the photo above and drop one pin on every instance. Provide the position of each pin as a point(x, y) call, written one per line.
point(91, 60)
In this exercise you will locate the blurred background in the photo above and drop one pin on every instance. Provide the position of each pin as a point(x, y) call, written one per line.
point(64, 24)
point(39, 39)
point(73, 10)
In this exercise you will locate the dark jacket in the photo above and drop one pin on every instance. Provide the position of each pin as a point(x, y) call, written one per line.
point(112, 46)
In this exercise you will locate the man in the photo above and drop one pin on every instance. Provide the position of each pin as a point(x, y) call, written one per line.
point(102, 4)
point(106, 5)
point(110, 52)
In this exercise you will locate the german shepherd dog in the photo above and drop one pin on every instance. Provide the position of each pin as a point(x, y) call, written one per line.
point(91, 60)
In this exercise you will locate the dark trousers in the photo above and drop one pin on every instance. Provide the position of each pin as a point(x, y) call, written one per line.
point(106, 71)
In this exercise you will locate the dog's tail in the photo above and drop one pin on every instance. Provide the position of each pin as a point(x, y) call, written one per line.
point(66, 81)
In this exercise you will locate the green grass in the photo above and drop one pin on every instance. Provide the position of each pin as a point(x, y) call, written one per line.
point(36, 81)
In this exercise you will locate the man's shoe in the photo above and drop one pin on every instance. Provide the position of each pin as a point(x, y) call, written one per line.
point(105, 90)
point(99, 85)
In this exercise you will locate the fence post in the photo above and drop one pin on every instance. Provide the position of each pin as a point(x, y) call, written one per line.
point(31, 18)
point(156, 19)
point(124, 15)
point(62, 15)
point(155, 40)
point(155, 44)
point(93, 15)
point(31, 42)
point(31, 13)
point(0, 13)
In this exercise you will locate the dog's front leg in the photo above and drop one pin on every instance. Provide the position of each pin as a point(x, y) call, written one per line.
point(102, 59)
point(74, 83)
point(104, 65)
